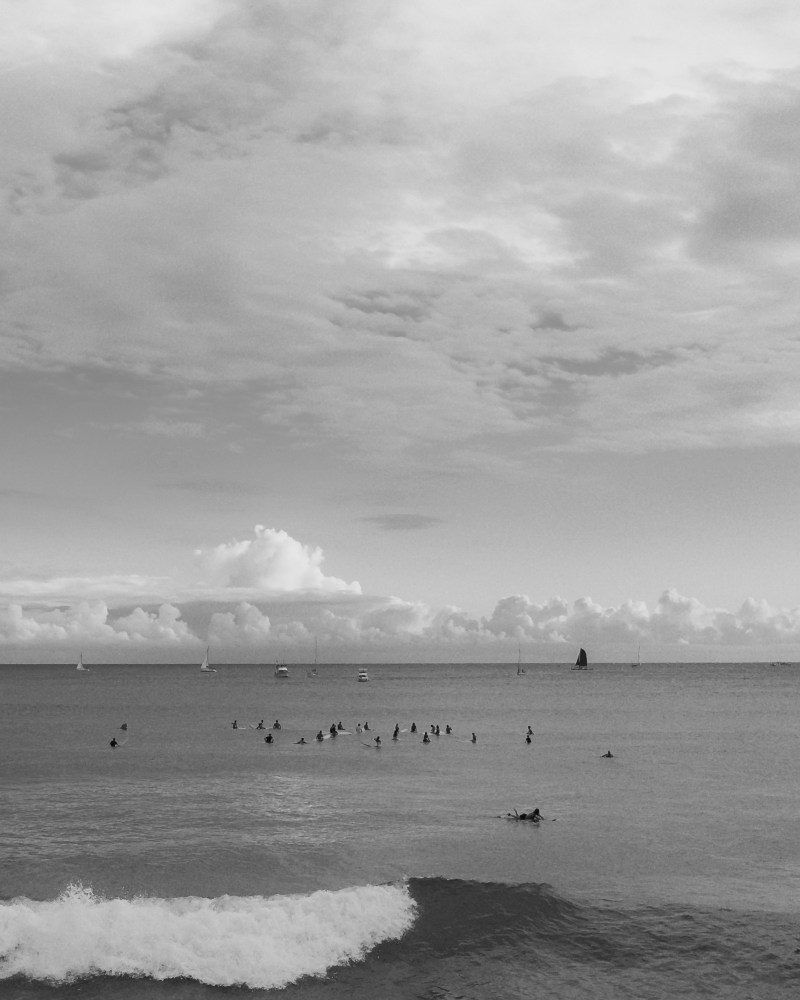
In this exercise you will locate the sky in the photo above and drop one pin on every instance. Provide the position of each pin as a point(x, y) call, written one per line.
point(400, 330)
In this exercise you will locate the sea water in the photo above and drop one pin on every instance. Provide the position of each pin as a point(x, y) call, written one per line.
point(195, 858)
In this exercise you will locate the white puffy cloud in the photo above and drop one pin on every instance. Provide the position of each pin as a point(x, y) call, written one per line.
point(90, 622)
point(273, 561)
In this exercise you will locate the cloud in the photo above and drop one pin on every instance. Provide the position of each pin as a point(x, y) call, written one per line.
point(273, 561)
point(90, 622)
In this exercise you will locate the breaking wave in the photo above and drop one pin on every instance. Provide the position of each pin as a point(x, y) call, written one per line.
point(256, 941)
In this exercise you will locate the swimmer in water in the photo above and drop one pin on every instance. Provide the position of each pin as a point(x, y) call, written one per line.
point(474, 738)
point(530, 731)
point(234, 724)
point(528, 738)
point(378, 740)
point(448, 730)
point(413, 727)
point(113, 742)
point(302, 740)
point(426, 738)
point(268, 738)
point(276, 724)
point(358, 727)
point(366, 727)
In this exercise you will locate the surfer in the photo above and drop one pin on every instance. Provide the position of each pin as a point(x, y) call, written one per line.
point(448, 730)
point(530, 731)
point(124, 725)
point(528, 738)
point(320, 736)
point(359, 727)
point(531, 817)
point(426, 738)
point(413, 727)
point(113, 742)
point(608, 753)
point(474, 738)
point(234, 724)
point(340, 727)
point(302, 740)
point(366, 727)
point(261, 725)
point(378, 740)
point(268, 738)
point(276, 724)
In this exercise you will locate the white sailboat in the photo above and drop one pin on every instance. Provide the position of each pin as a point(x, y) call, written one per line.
point(313, 671)
point(638, 657)
point(205, 666)
point(81, 665)
point(520, 668)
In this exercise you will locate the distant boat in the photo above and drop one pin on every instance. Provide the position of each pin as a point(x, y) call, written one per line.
point(638, 657)
point(363, 675)
point(582, 662)
point(205, 666)
point(80, 665)
point(520, 668)
point(281, 670)
point(313, 671)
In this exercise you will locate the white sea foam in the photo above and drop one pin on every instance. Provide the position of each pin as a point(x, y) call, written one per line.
point(256, 941)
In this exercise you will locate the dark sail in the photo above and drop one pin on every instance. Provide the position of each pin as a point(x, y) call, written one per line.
point(581, 661)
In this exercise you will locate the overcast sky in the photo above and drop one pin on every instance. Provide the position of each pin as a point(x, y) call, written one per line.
point(424, 330)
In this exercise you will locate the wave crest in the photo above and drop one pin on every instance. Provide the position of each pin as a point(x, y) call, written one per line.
point(256, 941)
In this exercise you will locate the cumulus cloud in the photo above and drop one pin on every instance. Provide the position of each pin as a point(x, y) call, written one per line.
point(388, 628)
point(273, 561)
point(91, 622)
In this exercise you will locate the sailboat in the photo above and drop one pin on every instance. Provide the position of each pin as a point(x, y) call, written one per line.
point(638, 657)
point(520, 668)
point(205, 666)
point(80, 665)
point(313, 671)
point(582, 662)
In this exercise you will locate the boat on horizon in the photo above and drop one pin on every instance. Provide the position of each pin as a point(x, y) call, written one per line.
point(520, 668)
point(281, 670)
point(638, 657)
point(313, 671)
point(205, 666)
point(363, 676)
point(81, 665)
point(582, 663)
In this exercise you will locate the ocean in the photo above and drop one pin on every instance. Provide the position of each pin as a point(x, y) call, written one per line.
point(197, 861)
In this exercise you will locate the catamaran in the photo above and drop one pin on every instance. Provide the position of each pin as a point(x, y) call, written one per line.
point(205, 666)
